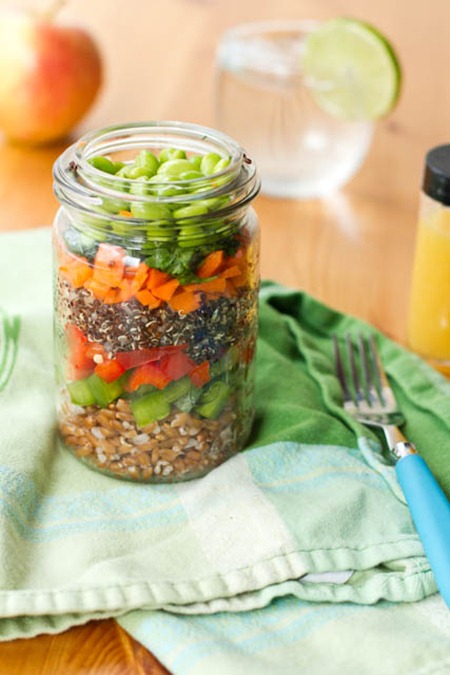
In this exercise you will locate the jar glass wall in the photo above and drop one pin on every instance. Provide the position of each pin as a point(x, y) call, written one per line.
point(156, 284)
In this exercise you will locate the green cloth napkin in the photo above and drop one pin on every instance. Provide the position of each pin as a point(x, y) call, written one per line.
point(310, 513)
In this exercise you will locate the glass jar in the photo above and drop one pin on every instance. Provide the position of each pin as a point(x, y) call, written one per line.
point(429, 312)
point(156, 251)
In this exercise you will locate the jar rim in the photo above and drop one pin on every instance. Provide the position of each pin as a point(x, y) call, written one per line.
point(73, 164)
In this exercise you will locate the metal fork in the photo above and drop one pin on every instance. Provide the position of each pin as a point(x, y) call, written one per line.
point(368, 397)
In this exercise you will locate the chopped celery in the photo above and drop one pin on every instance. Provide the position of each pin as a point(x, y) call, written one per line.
point(80, 393)
point(150, 408)
point(105, 392)
point(213, 399)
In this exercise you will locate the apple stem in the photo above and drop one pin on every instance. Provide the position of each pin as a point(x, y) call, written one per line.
point(53, 9)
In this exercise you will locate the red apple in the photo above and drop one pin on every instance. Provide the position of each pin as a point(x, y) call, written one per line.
point(50, 75)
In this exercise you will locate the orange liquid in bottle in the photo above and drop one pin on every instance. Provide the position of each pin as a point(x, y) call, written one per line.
point(429, 317)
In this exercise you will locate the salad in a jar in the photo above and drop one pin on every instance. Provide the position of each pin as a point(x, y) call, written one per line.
point(156, 312)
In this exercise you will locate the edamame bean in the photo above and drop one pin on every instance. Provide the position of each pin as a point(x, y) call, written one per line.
point(111, 205)
point(222, 164)
point(191, 175)
point(160, 231)
point(190, 210)
point(167, 154)
point(148, 161)
point(173, 167)
point(209, 162)
point(196, 160)
point(140, 187)
point(103, 164)
point(191, 236)
point(150, 211)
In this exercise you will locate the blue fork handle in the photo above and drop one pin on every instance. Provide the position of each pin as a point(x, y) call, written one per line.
point(430, 511)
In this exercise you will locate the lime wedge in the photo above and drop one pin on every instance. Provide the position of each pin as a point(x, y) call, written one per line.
point(351, 69)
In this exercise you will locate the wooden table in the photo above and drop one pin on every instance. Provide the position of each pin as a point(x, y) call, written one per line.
point(352, 251)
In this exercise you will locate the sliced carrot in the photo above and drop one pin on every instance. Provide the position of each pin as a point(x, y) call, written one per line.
point(239, 281)
point(228, 272)
point(109, 264)
point(125, 214)
point(112, 296)
point(126, 290)
point(216, 285)
point(97, 289)
point(147, 298)
point(166, 291)
point(185, 302)
point(76, 271)
point(79, 274)
point(156, 278)
point(211, 264)
point(140, 277)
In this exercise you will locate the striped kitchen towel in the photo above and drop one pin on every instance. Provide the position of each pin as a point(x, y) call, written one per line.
point(299, 553)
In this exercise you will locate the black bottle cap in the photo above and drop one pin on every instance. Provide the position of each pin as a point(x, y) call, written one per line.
point(436, 180)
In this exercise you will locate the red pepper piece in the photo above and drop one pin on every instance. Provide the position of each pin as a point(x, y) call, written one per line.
point(109, 370)
point(200, 375)
point(150, 373)
point(78, 358)
point(177, 365)
point(138, 357)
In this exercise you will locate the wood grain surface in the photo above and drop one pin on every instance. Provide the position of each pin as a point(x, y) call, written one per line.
point(353, 250)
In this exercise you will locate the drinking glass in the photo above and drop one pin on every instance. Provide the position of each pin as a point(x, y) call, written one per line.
point(263, 101)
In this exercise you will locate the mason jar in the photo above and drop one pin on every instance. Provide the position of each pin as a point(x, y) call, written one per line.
point(156, 250)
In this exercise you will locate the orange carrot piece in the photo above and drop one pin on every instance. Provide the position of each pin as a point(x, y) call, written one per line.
point(156, 278)
point(76, 271)
point(97, 289)
point(147, 298)
point(228, 272)
point(112, 296)
point(241, 280)
point(185, 302)
point(79, 274)
point(166, 291)
point(109, 264)
point(140, 277)
point(217, 285)
point(125, 214)
point(126, 291)
point(211, 264)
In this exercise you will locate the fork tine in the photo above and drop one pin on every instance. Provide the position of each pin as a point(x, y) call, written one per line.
point(340, 370)
point(359, 392)
point(378, 368)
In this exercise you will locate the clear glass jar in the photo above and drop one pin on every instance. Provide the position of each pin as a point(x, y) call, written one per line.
point(156, 251)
